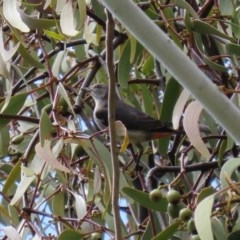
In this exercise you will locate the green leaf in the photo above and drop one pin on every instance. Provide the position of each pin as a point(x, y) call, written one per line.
point(54, 35)
point(168, 232)
point(82, 13)
point(233, 49)
point(35, 23)
point(58, 204)
point(30, 57)
point(171, 95)
point(62, 92)
point(143, 199)
point(205, 28)
point(188, 7)
point(22, 188)
point(218, 228)
point(4, 141)
point(12, 178)
point(234, 235)
point(70, 234)
point(45, 127)
point(12, 107)
point(227, 170)
point(4, 212)
point(124, 66)
point(225, 7)
point(202, 218)
point(148, 66)
point(205, 192)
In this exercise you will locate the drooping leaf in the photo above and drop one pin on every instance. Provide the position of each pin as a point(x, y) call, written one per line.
point(11, 232)
point(47, 155)
point(10, 11)
point(82, 13)
point(168, 232)
point(97, 180)
point(67, 22)
point(12, 107)
point(22, 188)
point(171, 95)
point(143, 199)
point(218, 228)
point(45, 127)
point(58, 204)
point(202, 218)
point(4, 141)
point(80, 203)
point(7, 54)
point(124, 65)
point(179, 108)
point(190, 124)
point(13, 177)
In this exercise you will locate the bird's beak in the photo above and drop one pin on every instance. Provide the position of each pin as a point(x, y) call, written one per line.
point(86, 89)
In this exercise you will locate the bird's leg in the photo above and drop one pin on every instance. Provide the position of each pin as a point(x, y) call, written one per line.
point(136, 157)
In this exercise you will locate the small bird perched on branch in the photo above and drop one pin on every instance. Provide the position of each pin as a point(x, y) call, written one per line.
point(140, 126)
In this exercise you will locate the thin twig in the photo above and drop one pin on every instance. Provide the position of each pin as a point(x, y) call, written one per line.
point(111, 120)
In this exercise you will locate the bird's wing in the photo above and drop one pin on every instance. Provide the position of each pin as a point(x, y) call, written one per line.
point(101, 117)
point(135, 119)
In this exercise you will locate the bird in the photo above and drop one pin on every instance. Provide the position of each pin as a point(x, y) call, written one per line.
point(140, 126)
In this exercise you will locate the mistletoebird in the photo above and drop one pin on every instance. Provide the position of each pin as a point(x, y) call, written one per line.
point(140, 126)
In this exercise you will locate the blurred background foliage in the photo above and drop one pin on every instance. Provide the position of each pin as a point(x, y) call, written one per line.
point(56, 172)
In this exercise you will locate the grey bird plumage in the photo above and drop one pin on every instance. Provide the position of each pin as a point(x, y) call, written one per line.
point(141, 127)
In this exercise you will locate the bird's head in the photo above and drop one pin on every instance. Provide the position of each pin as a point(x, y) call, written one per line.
point(98, 91)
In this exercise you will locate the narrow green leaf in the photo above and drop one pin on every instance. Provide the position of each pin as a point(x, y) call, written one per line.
point(4, 212)
point(30, 57)
point(124, 66)
point(4, 141)
point(12, 178)
point(35, 23)
point(22, 188)
point(54, 35)
point(82, 13)
point(233, 49)
point(171, 95)
point(143, 199)
point(205, 28)
point(45, 127)
point(62, 92)
point(12, 107)
point(167, 233)
point(188, 7)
